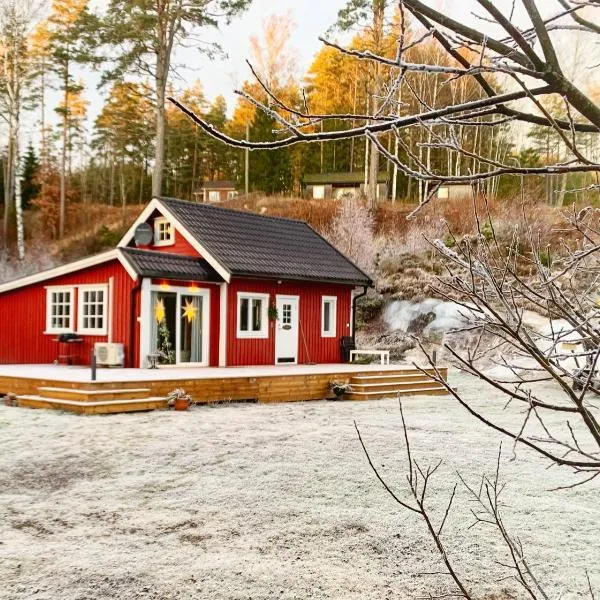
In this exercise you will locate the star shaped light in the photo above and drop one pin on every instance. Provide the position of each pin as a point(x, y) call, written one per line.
point(189, 311)
point(159, 310)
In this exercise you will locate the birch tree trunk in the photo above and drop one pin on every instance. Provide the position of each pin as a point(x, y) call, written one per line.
point(17, 184)
point(63, 156)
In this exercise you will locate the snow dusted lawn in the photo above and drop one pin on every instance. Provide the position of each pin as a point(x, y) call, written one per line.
point(269, 501)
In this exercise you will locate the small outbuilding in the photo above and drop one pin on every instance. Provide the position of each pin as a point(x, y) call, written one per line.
point(454, 191)
point(216, 191)
point(321, 186)
point(189, 284)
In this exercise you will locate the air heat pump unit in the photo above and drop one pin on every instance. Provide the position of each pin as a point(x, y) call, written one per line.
point(109, 355)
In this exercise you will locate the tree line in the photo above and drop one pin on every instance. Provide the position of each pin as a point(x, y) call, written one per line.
point(141, 145)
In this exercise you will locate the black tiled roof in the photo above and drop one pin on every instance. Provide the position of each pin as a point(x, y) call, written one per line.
point(247, 244)
point(169, 266)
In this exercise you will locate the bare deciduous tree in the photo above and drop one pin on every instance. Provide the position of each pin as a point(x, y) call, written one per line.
point(17, 19)
point(496, 283)
point(526, 58)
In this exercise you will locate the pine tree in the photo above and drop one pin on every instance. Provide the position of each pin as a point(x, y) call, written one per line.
point(144, 35)
point(270, 172)
point(30, 186)
point(70, 39)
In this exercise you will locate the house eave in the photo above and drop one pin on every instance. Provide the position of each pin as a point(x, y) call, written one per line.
point(66, 269)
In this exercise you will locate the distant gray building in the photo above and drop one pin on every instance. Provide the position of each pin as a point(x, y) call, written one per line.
point(326, 186)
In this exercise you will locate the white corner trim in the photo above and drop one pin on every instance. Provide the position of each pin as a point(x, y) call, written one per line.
point(223, 290)
point(77, 265)
point(109, 311)
point(156, 204)
point(144, 319)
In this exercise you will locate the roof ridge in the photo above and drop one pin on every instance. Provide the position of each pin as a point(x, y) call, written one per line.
point(231, 210)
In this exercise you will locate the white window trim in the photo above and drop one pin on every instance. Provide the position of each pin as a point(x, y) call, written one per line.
point(92, 288)
point(264, 332)
point(332, 316)
point(146, 314)
point(157, 223)
point(49, 291)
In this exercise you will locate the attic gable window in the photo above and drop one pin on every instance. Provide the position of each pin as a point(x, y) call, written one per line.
point(164, 234)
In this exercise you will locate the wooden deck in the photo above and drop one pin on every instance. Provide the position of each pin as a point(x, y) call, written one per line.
point(127, 390)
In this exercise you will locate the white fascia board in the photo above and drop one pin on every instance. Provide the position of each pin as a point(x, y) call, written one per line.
point(126, 264)
point(78, 265)
point(156, 204)
point(143, 217)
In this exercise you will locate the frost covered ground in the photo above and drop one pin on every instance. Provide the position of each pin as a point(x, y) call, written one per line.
point(270, 501)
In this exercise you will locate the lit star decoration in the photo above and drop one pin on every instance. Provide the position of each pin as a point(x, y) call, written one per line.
point(189, 311)
point(159, 310)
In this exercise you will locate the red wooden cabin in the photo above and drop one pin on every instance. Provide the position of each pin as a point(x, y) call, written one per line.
point(191, 284)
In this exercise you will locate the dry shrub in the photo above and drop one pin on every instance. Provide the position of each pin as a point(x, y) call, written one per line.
point(351, 232)
point(317, 213)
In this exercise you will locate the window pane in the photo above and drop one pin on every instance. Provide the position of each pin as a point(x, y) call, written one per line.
point(256, 314)
point(244, 314)
point(327, 316)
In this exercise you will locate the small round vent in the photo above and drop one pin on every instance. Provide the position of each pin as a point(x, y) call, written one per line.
point(143, 235)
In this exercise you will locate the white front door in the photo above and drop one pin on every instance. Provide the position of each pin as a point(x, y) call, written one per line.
point(286, 332)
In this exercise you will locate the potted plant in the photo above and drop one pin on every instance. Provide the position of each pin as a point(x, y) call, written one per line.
point(11, 400)
point(179, 399)
point(340, 388)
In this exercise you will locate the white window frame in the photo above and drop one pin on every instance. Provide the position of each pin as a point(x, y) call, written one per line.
point(214, 196)
point(231, 194)
point(105, 308)
point(332, 300)
point(57, 289)
point(158, 222)
point(264, 331)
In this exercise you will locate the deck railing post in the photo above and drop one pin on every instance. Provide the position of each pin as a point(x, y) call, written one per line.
point(93, 365)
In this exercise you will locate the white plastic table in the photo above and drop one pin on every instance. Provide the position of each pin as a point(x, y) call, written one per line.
point(383, 354)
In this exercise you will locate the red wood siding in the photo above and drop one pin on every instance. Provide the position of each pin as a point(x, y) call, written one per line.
point(23, 314)
point(181, 246)
point(312, 347)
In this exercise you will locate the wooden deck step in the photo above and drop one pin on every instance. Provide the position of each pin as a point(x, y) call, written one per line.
point(417, 391)
point(94, 407)
point(93, 395)
point(390, 380)
point(394, 386)
point(398, 376)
